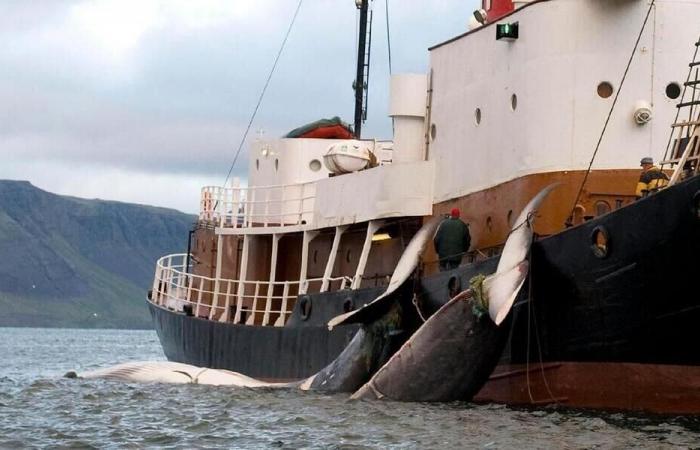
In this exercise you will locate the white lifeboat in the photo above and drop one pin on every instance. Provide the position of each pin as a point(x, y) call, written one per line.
point(347, 156)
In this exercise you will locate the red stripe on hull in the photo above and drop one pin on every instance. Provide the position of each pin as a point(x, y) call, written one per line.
point(653, 388)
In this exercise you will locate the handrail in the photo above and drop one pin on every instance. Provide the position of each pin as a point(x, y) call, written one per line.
point(267, 303)
point(258, 206)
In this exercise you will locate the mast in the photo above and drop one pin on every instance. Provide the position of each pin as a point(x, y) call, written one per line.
point(360, 84)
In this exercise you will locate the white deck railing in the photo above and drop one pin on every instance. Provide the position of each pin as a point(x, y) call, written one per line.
point(258, 206)
point(250, 302)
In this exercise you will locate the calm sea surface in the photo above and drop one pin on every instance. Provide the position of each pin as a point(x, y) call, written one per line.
point(40, 408)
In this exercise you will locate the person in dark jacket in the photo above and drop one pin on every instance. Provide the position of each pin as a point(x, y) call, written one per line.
point(451, 241)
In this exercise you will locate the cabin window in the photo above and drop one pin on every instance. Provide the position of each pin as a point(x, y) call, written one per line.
point(477, 116)
point(601, 207)
point(673, 91)
point(513, 102)
point(605, 89)
point(315, 165)
point(433, 132)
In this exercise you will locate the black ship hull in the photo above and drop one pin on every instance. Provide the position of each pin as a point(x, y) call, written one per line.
point(609, 301)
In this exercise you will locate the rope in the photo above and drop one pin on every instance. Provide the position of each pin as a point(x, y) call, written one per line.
point(415, 303)
point(527, 348)
point(262, 94)
point(537, 336)
point(533, 318)
point(612, 107)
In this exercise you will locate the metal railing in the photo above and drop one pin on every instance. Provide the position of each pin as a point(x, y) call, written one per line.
point(249, 302)
point(258, 206)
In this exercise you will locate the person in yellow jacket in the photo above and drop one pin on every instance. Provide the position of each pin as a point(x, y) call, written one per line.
point(651, 180)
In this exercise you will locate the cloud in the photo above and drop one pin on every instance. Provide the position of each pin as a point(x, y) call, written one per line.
point(164, 89)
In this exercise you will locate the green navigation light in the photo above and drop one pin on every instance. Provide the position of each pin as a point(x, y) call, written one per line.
point(507, 31)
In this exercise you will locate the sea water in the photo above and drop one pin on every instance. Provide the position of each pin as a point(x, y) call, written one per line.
point(40, 408)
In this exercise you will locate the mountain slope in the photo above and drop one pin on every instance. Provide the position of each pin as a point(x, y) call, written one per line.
point(72, 262)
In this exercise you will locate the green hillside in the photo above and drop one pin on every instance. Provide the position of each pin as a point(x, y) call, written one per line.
point(71, 262)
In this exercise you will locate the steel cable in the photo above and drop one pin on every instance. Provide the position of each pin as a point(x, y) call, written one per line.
point(262, 94)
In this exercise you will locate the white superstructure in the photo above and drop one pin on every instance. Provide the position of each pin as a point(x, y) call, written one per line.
point(490, 111)
point(504, 109)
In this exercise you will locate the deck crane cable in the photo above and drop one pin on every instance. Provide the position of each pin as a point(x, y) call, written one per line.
point(262, 93)
point(388, 35)
point(569, 220)
point(388, 46)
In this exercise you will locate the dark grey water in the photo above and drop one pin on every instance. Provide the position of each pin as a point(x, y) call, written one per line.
point(39, 408)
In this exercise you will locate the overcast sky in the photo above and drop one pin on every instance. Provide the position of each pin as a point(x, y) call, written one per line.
point(146, 101)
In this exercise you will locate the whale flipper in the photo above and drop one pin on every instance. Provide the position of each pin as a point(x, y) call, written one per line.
point(404, 268)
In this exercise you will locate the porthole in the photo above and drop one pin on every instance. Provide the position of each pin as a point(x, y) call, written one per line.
point(315, 165)
point(454, 286)
point(696, 205)
point(600, 242)
point(277, 164)
point(257, 164)
point(477, 116)
point(601, 207)
point(348, 305)
point(673, 90)
point(433, 132)
point(513, 102)
point(605, 89)
point(305, 307)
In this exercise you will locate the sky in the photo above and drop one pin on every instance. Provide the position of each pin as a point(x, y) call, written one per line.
point(146, 101)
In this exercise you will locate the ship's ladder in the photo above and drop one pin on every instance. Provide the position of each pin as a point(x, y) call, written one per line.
point(683, 148)
point(365, 64)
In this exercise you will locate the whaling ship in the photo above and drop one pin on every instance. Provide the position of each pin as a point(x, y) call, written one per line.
point(537, 92)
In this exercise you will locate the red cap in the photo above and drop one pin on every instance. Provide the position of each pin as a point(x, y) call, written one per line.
point(455, 212)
